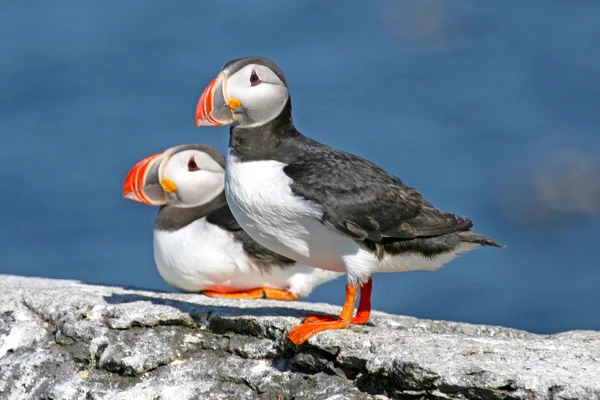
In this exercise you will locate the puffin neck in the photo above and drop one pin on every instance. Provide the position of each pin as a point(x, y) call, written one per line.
point(171, 218)
point(261, 142)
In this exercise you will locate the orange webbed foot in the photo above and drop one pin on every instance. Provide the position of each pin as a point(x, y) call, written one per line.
point(315, 323)
point(259, 293)
point(362, 314)
point(318, 318)
point(359, 319)
point(278, 294)
point(247, 295)
point(301, 333)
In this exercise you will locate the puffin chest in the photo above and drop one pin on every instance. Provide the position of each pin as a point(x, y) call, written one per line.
point(260, 198)
point(197, 255)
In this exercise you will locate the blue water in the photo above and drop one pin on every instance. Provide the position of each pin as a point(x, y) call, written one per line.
point(450, 97)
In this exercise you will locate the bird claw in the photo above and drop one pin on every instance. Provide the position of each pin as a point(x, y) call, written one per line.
point(315, 323)
point(318, 318)
point(301, 333)
point(360, 318)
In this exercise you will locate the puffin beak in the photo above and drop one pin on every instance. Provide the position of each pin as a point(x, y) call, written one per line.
point(214, 108)
point(142, 182)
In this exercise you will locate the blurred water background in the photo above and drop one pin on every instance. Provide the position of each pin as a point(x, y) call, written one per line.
point(491, 109)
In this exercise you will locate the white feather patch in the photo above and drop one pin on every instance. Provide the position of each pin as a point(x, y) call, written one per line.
point(203, 256)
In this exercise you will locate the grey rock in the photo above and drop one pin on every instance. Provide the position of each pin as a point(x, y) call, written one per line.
point(67, 340)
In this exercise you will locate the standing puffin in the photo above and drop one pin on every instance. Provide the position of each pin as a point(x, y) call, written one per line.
point(198, 245)
point(316, 204)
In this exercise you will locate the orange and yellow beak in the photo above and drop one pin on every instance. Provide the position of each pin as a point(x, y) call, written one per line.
point(214, 107)
point(143, 181)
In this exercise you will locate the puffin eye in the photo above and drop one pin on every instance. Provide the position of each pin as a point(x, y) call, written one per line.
point(254, 79)
point(192, 166)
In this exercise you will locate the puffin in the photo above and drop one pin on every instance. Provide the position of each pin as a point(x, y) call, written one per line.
point(198, 244)
point(319, 205)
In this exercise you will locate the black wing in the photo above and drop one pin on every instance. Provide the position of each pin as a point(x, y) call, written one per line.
point(361, 200)
point(223, 218)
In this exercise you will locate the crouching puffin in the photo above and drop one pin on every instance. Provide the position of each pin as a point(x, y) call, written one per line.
point(198, 245)
point(316, 204)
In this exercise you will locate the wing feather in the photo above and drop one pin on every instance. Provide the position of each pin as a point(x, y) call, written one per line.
point(364, 202)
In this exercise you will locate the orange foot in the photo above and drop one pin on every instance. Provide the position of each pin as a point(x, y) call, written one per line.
point(259, 293)
point(358, 319)
point(318, 323)
point(301, 333)
point(362, 314)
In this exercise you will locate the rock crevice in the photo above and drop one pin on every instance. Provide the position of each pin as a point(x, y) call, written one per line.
point(67, 340)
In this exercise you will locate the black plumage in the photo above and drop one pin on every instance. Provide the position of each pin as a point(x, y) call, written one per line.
point(360, 200)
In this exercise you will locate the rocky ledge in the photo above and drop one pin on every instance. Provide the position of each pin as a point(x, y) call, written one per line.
point(67, 340)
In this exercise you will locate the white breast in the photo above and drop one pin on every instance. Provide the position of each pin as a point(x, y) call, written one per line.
point(202, 256)
point(262, 202)
point(260, 198)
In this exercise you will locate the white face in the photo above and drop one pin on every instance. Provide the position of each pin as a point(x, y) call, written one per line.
point(197, 177)
point(261, 93)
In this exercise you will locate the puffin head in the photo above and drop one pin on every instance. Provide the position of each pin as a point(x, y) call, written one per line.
point(248, 92)
point(183, 176)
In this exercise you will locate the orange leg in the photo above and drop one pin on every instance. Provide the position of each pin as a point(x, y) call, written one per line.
point(364, 305)
point(301, 333)
point(362, 314)
point(258, 293)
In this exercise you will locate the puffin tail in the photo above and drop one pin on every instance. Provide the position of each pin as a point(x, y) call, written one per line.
point(472, 237)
